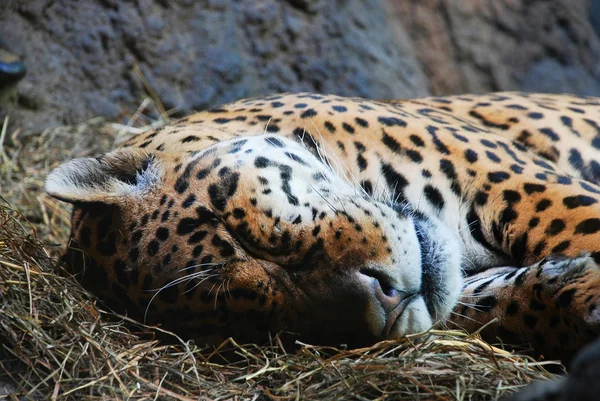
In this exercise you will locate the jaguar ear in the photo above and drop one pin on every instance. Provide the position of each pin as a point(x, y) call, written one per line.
point(105, 179)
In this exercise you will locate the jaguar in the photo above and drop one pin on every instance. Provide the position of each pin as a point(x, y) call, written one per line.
point(350, 221)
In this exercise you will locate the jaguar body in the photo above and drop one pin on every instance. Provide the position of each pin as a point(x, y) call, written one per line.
point(350, 221)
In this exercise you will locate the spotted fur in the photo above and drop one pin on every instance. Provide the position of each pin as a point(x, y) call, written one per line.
point(348, 220)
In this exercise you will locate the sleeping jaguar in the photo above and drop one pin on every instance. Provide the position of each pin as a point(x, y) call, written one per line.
point(345, 220)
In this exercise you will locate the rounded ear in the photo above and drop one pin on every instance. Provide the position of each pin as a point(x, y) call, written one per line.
point(104, 179)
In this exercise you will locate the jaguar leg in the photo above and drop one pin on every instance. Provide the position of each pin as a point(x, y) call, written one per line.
point(552, 306)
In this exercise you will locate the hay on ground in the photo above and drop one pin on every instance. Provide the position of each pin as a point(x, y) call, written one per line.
point(57, 343)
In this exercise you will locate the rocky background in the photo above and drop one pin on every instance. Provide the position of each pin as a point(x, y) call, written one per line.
point(102, 57)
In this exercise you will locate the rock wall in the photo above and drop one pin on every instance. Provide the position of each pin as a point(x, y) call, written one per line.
point(99, 57)
point(491, 45)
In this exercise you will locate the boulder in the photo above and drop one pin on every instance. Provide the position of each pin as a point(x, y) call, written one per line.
point(101, 57)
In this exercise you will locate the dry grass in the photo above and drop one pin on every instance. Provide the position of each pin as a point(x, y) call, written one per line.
point(58, 344)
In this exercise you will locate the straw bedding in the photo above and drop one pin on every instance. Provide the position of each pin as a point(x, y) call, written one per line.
point(57, 341)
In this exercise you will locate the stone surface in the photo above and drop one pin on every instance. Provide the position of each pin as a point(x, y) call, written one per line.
point(99, 57)
point(482, 45)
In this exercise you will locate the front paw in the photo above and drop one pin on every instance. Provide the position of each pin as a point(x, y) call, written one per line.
point(569, 289)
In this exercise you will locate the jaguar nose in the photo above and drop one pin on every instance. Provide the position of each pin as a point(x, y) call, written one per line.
point(393, 301)
point(384, 292)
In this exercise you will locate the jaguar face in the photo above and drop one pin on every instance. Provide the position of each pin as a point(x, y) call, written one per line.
point(250, 236)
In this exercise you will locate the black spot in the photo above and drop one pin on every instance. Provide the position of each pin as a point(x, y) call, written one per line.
point(556, 226)
point(539, 248)
point(222, 120)
point(263, 117)
point(534, 222)
point(543, 205)
point(417, 140)
point(226, 247)
point(516, 169)
point(493, 157)
point(271, 140)
point(339, 109)
point(535, 116)
point(391, 121)
point(481, 198)
point(471, 155)
point(489, 144)
point(414, 156)
point(221, 192)
point(296, 158)
point(187, 225)
point(153, 248)
point(391, 143)
point(361, 122)
point(511, 196)
point(189, 201)
point(543, 164)
point(197, 237)
point(439, 145)
point(330, 127)
point(588, 226)
point(498, 176)
point(395, 181)
point(564, 180)
point(362, 162)
point(262, 162)
point(239, 213)
point(518, 249)
point(447, 168)
point(348, 128)
point(190, 138)
point(474, 224)
point(461, 138)
point(308, 113)
point(197, 251)
point(590, 188)
point(531, 188)
point(162, 233)
point(434, 196)
point(563, 246)
point(573, 202)
point(550, 134)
